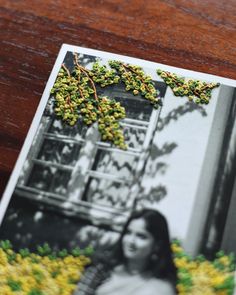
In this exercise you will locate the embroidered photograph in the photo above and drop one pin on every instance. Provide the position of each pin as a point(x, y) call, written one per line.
point(125, 184)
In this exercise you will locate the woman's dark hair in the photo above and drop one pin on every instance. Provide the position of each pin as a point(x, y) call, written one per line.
point(162, 266)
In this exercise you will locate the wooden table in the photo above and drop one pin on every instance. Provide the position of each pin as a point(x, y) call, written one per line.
point(197, 35)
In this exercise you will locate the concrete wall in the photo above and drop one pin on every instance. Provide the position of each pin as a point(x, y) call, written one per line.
point(194, 135)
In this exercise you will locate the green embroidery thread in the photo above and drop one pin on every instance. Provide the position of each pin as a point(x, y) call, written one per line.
point(137, 81)
point(195, 90)
point(76, 95)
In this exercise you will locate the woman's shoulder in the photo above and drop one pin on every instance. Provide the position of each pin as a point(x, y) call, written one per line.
point(164, 287)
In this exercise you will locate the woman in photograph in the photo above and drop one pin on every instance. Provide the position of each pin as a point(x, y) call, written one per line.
point(140, 264)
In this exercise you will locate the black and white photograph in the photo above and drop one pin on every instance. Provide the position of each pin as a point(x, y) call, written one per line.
point(125, 185)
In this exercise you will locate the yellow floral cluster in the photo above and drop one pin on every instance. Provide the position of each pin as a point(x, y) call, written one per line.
point(197, 276)
point(34, 274)
point(47, 273)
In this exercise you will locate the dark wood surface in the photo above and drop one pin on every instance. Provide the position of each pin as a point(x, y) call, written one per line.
point(197, 35)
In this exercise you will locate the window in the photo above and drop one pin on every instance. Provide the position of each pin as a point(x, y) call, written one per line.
point(72, 169)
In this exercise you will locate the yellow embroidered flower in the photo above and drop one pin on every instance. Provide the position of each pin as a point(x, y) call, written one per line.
point(37, 274)
point(197, 276)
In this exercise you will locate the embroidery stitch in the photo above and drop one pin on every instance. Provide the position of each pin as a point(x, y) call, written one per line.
point(195, 90)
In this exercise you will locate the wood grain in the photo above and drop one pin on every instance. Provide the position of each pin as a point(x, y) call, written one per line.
point(197, 35)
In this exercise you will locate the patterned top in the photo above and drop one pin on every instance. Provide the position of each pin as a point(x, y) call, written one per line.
point(96, 282)
point(91, 279)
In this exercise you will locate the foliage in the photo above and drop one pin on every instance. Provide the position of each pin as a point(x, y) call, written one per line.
point(195, 90)
point(133, 76)
point(199, 276)
point(76, 95)
point(108, 124)
point(137, 81)
point(103, 76)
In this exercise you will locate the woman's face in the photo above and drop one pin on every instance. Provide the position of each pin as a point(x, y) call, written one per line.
point(137, 242)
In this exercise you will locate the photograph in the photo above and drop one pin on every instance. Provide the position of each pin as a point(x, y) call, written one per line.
point(126, 183)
